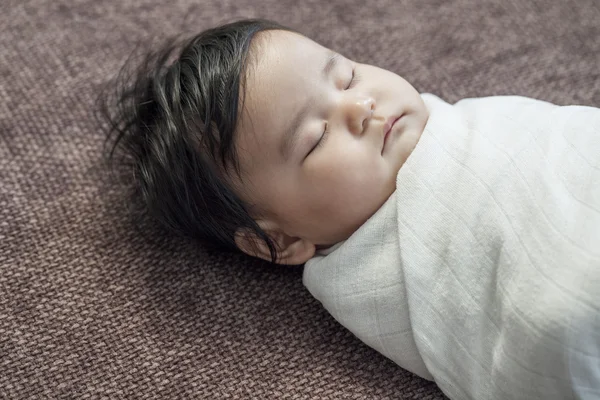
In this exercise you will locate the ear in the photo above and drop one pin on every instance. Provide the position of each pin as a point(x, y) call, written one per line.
point(290, 250)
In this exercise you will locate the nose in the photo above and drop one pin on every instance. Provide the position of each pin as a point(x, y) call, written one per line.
point(358, 111)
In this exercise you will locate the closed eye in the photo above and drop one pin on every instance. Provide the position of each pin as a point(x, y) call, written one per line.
point(354, 80)
point(321, 141)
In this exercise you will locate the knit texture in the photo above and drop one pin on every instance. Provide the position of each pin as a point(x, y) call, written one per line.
point(93, 308)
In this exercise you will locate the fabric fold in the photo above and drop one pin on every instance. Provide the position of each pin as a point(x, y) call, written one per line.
point(482, 270)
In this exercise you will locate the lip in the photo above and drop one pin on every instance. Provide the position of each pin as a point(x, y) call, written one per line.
point(387, 128)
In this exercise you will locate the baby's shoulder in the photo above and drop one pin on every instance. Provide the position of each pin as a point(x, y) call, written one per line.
point(504, 101)
point(490, 105)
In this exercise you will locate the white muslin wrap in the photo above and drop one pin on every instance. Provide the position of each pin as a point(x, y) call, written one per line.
point(482, 270)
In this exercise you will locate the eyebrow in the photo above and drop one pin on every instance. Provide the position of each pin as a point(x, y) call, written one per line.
point(332, 61)
point(292, 133)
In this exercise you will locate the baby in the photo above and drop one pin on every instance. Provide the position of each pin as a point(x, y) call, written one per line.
point(427, 229)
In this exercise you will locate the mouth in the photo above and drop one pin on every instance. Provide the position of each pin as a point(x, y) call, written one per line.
point(387, 128)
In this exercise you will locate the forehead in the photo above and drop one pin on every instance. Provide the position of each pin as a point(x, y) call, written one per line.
point(275, 50)
point(282, 61)
point(283, 72)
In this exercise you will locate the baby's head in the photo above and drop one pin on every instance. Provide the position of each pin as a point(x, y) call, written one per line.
point(253, 137)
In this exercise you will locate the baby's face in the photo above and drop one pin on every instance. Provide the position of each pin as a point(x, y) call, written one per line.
point(312, 138)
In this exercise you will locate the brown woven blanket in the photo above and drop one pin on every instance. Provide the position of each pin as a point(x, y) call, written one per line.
point(93, 308)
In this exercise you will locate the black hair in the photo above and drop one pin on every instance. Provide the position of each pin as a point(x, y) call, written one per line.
point(175, 118)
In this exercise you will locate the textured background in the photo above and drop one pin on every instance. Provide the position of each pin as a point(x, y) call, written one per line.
point(92, 308)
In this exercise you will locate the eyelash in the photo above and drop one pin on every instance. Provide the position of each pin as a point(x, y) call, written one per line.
point(355, 79)
point(322, 139)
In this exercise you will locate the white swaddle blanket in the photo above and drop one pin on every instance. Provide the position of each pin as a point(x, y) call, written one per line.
point(482, 270)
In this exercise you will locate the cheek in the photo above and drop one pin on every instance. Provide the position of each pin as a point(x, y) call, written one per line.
point(348, 175)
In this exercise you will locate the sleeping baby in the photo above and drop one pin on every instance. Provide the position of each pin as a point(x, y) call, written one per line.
point(462, 241)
